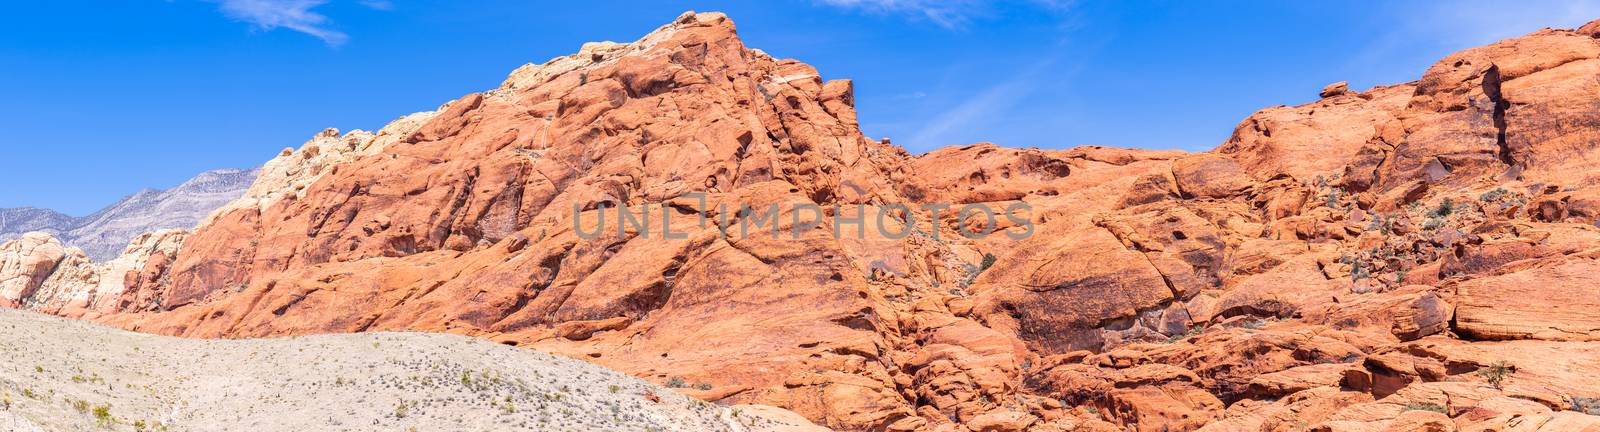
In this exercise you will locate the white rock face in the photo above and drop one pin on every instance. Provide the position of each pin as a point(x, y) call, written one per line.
point(25, 263)
point(295, 169)
point(80, 287)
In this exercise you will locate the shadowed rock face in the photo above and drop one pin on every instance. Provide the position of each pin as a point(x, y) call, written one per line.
point(1325, 267)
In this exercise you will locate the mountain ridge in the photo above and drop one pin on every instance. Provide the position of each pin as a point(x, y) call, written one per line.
point(103, 234)
point(1330, 266)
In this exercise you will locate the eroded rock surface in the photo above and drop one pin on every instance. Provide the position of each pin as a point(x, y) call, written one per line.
point(1409, 257)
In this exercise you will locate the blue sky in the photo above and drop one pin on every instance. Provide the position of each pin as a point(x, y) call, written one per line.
point(102, 99)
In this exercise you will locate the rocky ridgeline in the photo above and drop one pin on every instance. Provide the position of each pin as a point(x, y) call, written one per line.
point(103, 235)
point(1410, 257)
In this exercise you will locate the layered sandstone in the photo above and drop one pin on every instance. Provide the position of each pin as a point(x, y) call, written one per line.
point(1368, 261)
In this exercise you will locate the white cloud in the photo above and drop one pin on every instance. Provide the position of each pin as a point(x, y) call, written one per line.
point(950, 14)
point(994, 101)
point(290, 14)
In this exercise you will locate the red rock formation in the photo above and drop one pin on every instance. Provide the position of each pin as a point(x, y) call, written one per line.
point(1349, 264)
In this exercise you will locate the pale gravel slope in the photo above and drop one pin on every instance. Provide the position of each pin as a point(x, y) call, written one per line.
point(349, 382)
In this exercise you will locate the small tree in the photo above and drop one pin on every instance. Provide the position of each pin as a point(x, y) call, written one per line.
point(1496, 373)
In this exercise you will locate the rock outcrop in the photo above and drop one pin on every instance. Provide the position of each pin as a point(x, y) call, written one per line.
point(25, 263)
point(1407, 257)
point(38, 273)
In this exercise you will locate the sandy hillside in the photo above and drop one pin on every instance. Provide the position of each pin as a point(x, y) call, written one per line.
point(66, 375)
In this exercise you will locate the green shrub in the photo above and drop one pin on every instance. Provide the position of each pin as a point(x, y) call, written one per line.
point(102, 415)
point(1446, 207)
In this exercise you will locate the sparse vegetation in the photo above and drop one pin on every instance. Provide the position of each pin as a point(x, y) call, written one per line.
point(676, 382)
point(1496, 373)
point(1493, 195)
point(988, 261)
point(402, 410)
point(1196, 330)
point(1586, 405)
point(102, 415)
point(1423, 406)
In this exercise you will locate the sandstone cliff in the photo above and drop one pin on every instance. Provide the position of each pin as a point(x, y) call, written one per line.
point(1407, 257)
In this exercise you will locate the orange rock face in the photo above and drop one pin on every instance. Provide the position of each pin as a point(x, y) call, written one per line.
point(1412, 257)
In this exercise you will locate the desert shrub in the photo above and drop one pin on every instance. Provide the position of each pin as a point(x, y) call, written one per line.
point(1358, 271)
point(102, 415)
point(1196, 330)
point(988, 261)
point(1494, 195)
point(1445, 208)
point(703, 386)
point(676, 382)
point(1496, 373)
point(1586, 405)
point(1422, 406)
point(402, 410)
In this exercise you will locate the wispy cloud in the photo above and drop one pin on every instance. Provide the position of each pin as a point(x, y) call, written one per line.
point(290, 14)
point(992, 101)
point(950, 14)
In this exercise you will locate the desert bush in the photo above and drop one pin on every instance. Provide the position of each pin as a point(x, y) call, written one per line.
point(1494, 195)
point(1586, 405)
point(676, 382)
point(1496, 373)
point(102, 415)
point(1422, 406)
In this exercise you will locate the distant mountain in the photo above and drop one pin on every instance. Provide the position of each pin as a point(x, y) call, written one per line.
point(105, 233)
point(14, 222)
